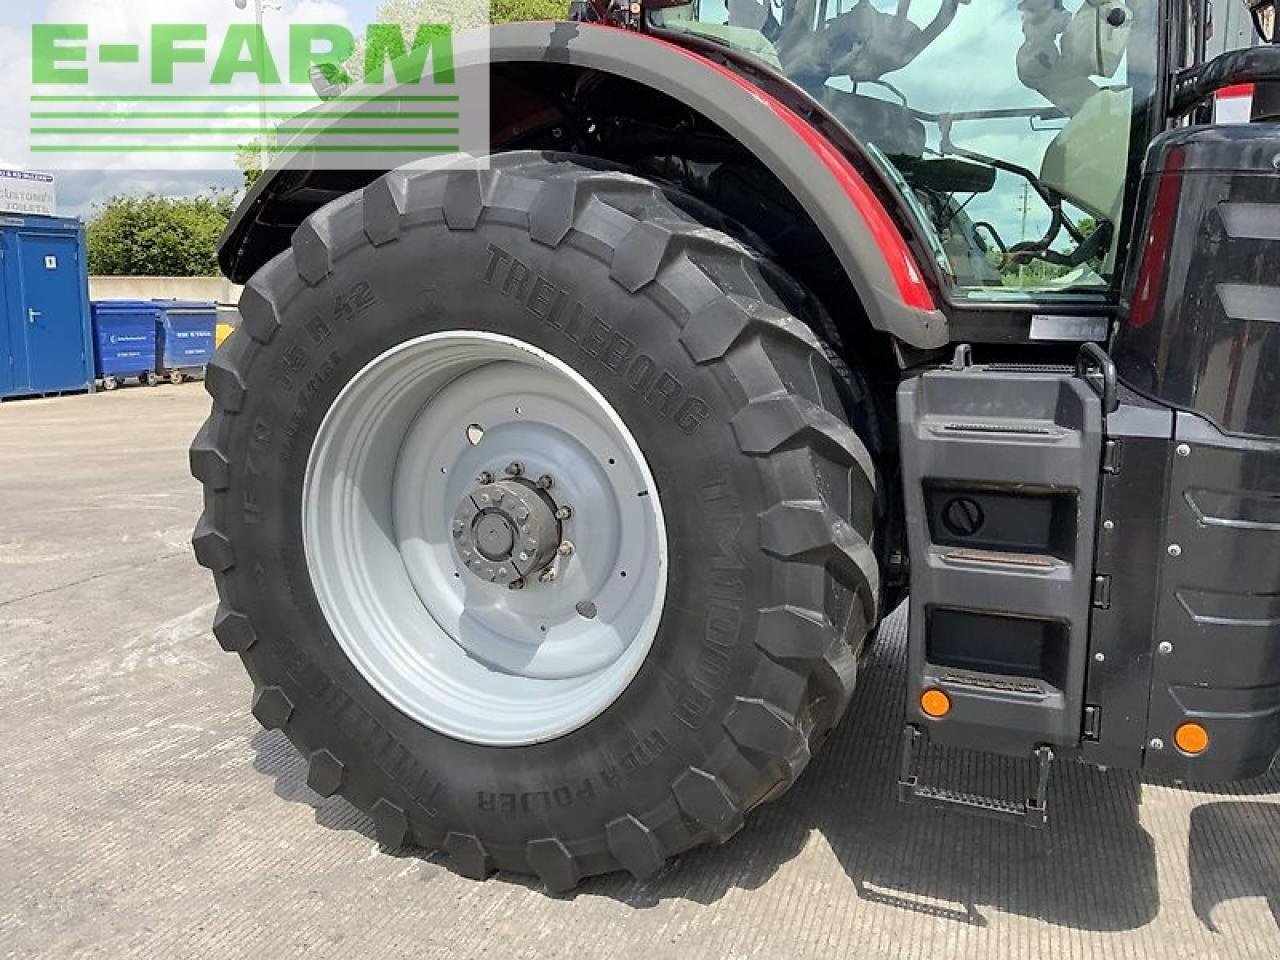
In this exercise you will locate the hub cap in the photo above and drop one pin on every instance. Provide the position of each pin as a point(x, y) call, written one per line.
point(506, 531)
point(484, 538)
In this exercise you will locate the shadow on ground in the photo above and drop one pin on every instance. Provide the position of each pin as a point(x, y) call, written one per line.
point(1093, 868)
point(1234, 852)
point(275, 756)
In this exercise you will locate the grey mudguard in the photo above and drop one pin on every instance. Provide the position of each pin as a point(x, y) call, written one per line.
point(747, 117)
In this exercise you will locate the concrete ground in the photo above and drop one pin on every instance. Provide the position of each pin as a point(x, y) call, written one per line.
point(145, 813)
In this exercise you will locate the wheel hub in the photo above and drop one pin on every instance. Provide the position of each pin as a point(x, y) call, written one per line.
point(506, 531)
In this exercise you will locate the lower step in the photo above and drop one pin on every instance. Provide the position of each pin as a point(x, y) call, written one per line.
point(1032, 812)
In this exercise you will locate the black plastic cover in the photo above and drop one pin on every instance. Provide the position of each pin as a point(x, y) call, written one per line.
point(1219, 607)
point(1190, 545)
point(1200, 323)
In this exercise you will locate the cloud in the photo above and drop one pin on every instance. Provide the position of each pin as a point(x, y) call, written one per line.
point(130, 21)
point(80, 192)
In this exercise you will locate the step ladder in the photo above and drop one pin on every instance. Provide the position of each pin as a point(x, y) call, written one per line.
point(1001, 470)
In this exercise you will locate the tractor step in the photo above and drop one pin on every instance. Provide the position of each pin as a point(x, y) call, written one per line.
point(1001, 471)
point(1032, 812)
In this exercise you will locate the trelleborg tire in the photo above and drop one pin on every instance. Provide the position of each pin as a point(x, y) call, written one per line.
point(598, 290)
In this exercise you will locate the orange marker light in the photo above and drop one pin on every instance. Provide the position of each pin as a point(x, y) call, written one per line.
point(1191, 738)
point(935, 703)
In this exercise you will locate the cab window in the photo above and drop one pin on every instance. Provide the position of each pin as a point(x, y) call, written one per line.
point(1006, 123)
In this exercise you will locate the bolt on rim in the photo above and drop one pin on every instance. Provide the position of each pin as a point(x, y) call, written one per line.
point(468, 496)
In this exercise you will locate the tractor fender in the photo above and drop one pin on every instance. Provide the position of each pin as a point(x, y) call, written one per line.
point(869, 244)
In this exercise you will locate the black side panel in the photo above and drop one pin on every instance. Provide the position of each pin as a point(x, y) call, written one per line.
point(1202, 327)
point(1200, 331)
point(1219, 608)
point(1131, 546)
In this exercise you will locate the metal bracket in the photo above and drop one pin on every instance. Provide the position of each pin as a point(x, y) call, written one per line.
point(1096, 368)
point(1032, 812)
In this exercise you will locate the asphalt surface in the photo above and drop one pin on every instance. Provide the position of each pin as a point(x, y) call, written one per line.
point(144, 813)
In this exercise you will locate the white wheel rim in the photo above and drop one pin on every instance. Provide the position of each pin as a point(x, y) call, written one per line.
point(399, 457)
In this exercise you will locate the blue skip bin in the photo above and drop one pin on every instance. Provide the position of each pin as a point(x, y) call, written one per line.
point(124, 337)
point(188, 330)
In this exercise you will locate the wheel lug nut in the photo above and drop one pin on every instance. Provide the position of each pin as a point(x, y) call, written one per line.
point(485, 477)
point(515, 468)
point(546, 576)
point(564, 513)
point(565, 549)
point(545, 481)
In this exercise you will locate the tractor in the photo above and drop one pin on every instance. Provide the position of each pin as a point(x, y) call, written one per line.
point(554, 501)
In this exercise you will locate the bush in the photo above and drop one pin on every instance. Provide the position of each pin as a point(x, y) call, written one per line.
point(158, 236)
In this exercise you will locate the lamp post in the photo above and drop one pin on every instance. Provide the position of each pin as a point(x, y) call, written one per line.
point(263, 158)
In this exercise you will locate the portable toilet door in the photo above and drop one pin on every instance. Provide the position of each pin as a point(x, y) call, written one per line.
point(54, 311)
point(46, 306)
point(11, 343)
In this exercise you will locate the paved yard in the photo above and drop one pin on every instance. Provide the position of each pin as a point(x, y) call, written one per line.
point(146, 814)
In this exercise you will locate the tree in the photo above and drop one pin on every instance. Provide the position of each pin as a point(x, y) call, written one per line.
point(509, 11)
point(409, 14)
point(469, 13)
point(249, 160)
point(461, 15)
point(152, 236)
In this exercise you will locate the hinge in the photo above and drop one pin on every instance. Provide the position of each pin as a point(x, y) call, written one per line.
point(1111, 456)
point(1102, 591)
point(1092, 723)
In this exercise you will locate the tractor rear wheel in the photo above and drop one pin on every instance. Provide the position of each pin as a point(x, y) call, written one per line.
point(536, 517)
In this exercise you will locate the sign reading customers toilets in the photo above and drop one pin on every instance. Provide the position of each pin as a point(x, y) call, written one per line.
point(28, 192)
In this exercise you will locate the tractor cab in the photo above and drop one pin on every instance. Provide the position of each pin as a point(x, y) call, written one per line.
point(1008, 126)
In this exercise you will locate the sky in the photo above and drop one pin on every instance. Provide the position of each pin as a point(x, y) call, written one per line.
point(80, 190)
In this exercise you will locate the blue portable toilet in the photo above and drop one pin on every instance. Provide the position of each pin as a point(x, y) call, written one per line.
point(45, 345)
point(124, 340)
point(188, 337)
